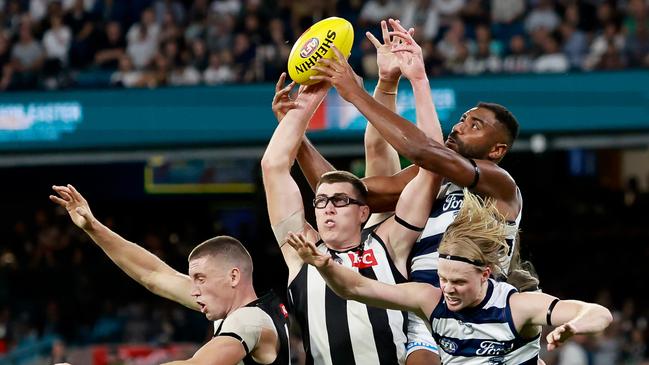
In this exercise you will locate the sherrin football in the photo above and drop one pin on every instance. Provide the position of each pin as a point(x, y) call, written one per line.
point(315, 44)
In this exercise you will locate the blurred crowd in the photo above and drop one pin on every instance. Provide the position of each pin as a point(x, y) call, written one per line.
point(53, 44)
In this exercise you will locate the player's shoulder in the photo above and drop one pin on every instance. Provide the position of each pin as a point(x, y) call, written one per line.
point(249, 316)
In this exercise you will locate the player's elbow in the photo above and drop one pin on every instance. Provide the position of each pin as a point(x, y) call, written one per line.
point(421, 152)
point(605, 316)
point(271, 163)
point(150, 283)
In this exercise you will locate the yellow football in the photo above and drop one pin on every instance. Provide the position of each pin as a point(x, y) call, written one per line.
point(315, 43)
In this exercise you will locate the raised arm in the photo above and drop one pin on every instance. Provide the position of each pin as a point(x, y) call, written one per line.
point(417, 198)
point(138, 263)
point(418, 298)
point(312, 163)
point(381, 159)
point(571, 317)
point(283, 198)
point(412, 143)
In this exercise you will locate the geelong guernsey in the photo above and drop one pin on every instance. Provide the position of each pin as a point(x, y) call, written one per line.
point(424, 256)
point(483, 335)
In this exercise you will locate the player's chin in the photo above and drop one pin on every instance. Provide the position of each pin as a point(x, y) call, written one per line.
point(451, 145)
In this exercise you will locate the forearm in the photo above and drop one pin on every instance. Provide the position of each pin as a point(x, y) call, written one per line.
point(404, 136)
point(312, 163)
point(142, 266)
point(591, 318)
point(343, 281)
point(381, 159)
point(282, 149)
point(427, 118)
point(417, 198)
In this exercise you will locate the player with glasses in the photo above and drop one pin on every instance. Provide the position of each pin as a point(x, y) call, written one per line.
point(338, 200)
point(335, 330)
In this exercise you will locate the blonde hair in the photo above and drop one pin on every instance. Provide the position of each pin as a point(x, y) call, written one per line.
point(478, 233)
point(522, 274)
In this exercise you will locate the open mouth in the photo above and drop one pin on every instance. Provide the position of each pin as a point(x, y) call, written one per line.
point(202, 306)
point(329, 223)
point(452, 301)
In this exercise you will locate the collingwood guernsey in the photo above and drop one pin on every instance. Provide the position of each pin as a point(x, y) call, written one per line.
point(337, 331)
point(483, 335)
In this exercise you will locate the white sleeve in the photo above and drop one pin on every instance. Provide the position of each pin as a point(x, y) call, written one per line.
point(245, 324)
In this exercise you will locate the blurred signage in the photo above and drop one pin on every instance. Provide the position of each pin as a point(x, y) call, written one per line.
point(38, 121)
point(200, 176)
point(232, 115)
point(337, 114)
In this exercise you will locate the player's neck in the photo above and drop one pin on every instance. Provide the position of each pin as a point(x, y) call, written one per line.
point(344, 245)
point(243, 297)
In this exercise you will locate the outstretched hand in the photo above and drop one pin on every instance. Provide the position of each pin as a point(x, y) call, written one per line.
point(340, 74)
point(386, 60)
point(560, 335)
point(77, 207)
point(408, 52)
point(307, 250)
point(282, 101)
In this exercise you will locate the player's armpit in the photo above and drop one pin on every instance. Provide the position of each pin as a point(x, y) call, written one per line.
point(384, 191)
point(297, 224)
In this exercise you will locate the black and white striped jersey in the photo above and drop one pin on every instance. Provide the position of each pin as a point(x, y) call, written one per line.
point(346, 332)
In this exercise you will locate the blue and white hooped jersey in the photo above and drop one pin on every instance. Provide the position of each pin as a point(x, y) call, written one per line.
point(424, 256)
point(483, 335)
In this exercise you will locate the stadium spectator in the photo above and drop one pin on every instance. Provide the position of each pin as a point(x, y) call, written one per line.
point(518, 60)
point(575, 44)
point(542, 16)
point(126, 75)
point(56, 43)
point(423, 16)
point(6, 70)
point(84, 34)
point(27, 58)
point(552, 60)
point(219, 71)
point(142, 40)
point(111, 47)
point(591, 35)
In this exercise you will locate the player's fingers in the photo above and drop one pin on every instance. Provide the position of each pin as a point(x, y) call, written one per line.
point(280, 82)
point(320, 78)
point(290, 239)
point(290, 86)
point(75, 194)
point(339, 55)
point(396, 25)
point(312, 248)
point(287, 105)
point(373, 39)
point(324, 70)
point(570, 328)
point(407, 38)
point(58, 200)
point(384, 32)
point(282, 92)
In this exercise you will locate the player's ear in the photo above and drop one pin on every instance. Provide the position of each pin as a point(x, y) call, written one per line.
point(365, 213)
point(498, 151)
point(234, 276)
